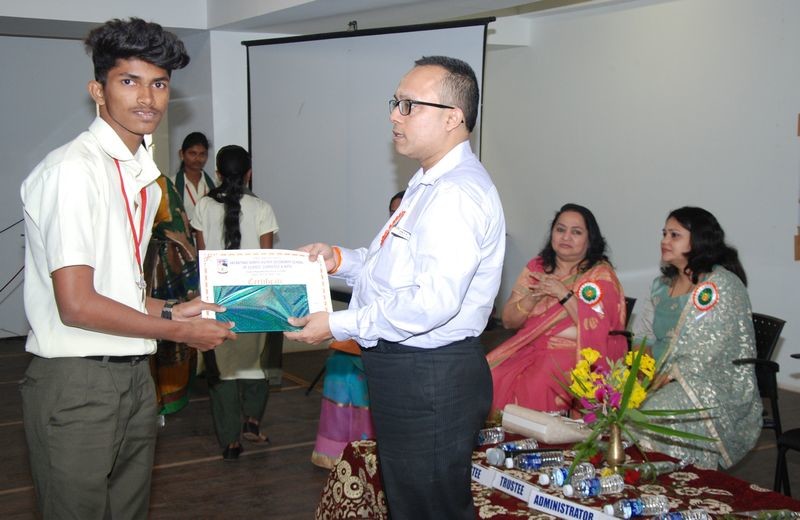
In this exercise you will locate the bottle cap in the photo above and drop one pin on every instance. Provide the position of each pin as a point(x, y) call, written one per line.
point(495, 456)
point(544, 479)
point(568, 490)
point(509, 463)
point(608, 509)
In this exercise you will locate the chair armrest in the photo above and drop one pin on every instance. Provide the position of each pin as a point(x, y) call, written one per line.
point(762, 363)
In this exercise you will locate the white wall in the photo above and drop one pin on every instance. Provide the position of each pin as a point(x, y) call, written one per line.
point(190, 104)
point(641, 108)
point(44, 104)
point(229, 79)
point(221, 13)
point(210, 95)
point(186, 13)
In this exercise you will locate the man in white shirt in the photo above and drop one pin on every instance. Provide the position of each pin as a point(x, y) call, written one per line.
point(88, 398)
point(422, 293)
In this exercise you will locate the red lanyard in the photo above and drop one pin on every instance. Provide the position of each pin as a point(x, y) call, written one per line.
point(137, 239)
point(392, 225)
point(189, 192)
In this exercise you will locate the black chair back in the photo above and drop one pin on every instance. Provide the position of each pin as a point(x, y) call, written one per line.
point(629, 304)
point(790, 440)
point(768, 331)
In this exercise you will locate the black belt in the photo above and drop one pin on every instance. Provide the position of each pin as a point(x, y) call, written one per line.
point(131, 360)
point(390, 346)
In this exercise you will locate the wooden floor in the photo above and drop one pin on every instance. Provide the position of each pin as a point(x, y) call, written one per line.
point(190, 480)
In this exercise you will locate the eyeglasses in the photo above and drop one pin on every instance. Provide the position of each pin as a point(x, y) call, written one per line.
point(404, 105)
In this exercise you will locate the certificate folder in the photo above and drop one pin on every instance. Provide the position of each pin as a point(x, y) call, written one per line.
point(261, 288)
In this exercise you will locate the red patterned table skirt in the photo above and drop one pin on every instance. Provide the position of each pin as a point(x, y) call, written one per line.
point(354, 490)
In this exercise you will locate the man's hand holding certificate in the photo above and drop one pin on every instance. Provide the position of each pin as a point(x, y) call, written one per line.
point(262, 288)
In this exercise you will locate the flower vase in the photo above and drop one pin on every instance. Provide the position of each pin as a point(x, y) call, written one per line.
point(615, 453)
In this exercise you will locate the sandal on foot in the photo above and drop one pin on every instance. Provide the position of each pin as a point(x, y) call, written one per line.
point(232, 452)
point(251, 432)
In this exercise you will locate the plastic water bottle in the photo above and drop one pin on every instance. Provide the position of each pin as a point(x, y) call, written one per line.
point(643, 506)
point(522, 444)
point(558, 476)
point(591, 487)
point(490, 436)
point(650, 470)
point(497, 456)
point(534, 461)
point(689, 514)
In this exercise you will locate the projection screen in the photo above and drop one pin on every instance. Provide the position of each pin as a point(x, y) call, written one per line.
point(320, 134)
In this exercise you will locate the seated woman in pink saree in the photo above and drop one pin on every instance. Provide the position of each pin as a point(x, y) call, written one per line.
point(565, 299)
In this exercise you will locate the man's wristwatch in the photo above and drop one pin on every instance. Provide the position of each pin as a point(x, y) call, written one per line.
point(166, 311)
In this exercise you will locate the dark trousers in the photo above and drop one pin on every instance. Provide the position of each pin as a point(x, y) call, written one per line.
point(274, 358)
point(91, 432)
point(234, 400)
point(427, 406)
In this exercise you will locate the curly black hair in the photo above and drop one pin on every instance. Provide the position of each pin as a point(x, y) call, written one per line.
point(708, 247)
point(596, 252)
point(125, 39)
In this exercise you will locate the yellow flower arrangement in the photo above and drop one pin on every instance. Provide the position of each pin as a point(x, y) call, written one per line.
point(613, 395)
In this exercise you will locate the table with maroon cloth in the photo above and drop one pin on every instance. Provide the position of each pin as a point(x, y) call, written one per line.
point(354, 490)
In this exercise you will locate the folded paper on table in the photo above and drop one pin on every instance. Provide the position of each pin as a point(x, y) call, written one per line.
point(550, 429)
point(261, 288)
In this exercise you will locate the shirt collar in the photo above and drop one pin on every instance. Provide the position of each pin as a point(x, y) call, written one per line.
point(445, 164)
point(140, 165)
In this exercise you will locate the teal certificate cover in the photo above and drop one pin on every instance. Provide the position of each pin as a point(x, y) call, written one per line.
point(261, 288)
point(261, 308)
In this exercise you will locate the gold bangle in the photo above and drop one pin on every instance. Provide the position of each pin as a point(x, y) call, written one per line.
point(520, 309)
point(337, 254)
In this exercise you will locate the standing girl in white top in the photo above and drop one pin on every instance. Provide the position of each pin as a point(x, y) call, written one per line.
point(232, 217)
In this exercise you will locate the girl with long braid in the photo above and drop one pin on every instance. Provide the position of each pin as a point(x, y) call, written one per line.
point(232, 217)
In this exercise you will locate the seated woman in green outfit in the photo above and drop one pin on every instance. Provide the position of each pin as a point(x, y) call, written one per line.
point(697, 321)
